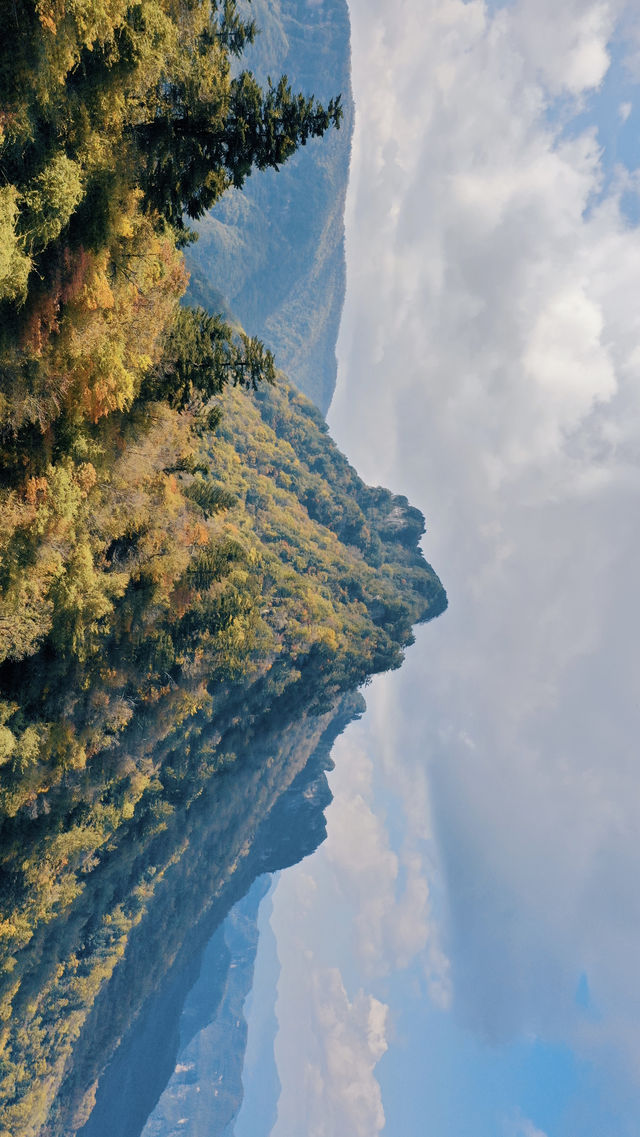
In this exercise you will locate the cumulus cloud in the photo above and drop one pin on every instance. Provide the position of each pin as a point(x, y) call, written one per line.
point(327, 1045)
point(567, 49)
point(387, 893)
point(525, 1128)
point(362, 907)
point(491, 344)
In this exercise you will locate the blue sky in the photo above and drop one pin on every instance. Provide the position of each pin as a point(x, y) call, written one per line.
point(440, 1072)
point(436, 1077)
point(612, 110)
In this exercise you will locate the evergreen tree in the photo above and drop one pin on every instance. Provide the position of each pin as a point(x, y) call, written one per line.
point(202, 356)
point(192, 153)
point(234, 32)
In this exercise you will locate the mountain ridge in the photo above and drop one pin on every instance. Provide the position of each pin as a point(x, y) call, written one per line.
point(275, 252)
point(192, 577)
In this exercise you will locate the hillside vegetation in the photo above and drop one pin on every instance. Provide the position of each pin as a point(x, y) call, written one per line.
point(188, 566)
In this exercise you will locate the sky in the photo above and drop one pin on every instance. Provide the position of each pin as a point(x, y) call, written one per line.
point(462, 952)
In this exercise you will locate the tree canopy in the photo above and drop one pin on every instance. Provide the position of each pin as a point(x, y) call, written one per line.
point(99, 99)
point(186, 560)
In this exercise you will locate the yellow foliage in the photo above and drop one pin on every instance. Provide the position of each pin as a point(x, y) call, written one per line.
point(109, 385)
point(51, 199)
point(200, 534)
point(48, 22)
point(98, 293)
point(86, 477)
point(26, 613)
point(15, 265)
point(7, 744)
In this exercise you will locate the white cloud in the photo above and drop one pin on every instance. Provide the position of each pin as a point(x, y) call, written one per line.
point(490, 345)
point(567, 46)
point(387, 893)
point(358, 908)
point(525, 1128)
point(327, 1047)
point(566, 358)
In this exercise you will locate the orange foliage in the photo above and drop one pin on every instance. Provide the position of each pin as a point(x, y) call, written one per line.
point(35, 490)
point(44, 307)
point(181, 600)
point(86, 477)
point(200, 534)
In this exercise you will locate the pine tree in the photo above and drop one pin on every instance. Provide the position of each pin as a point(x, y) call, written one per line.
point(192, 154)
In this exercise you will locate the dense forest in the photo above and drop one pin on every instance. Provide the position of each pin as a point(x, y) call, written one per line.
point(191, 575)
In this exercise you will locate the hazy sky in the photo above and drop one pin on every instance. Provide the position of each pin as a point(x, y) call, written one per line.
point(473, 923)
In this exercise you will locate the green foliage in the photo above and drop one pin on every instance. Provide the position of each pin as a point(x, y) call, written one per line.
point(210, 498)
point(197, 146)
point(201, 355)
point(234, 32)
point(117, 119)
point(15, 265)
point(196, 591)
point(51, 199)
point(266, 128)
point(167, 596)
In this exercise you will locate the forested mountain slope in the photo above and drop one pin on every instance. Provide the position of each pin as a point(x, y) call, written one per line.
point(299, 583)
point(150, 1049)
point(191, 575)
